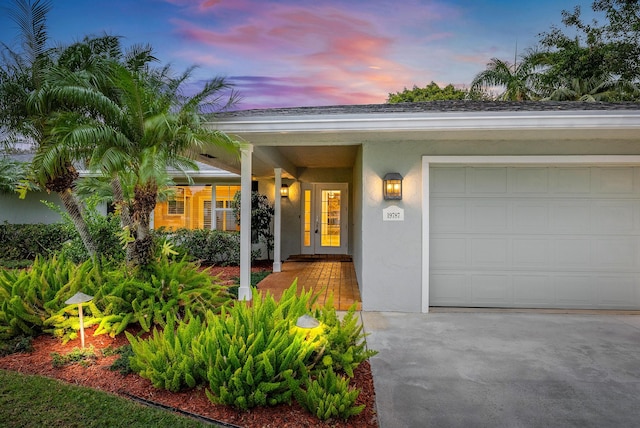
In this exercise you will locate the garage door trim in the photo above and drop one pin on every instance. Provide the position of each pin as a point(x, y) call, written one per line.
point(427, 161)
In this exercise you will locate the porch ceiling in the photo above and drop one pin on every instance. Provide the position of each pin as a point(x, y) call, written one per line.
point(290, 158)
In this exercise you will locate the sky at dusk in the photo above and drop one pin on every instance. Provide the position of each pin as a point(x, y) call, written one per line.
point(312, 53)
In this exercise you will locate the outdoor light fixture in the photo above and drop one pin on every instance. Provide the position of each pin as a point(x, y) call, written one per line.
point(79, 298)
point(392, 186)
point(284, 191)
point(307, 321)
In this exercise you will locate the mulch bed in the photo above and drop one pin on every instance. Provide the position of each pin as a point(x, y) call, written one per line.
point(193, 401)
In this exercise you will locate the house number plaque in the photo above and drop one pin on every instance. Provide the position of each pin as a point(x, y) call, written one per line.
point(393, 213)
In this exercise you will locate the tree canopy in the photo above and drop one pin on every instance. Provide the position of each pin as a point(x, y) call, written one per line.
point(431, 92)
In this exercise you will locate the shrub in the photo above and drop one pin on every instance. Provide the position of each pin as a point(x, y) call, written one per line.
point(328, 396)
point(84, 357)
point(18, 344)
point(210, 247)
point(346, 347)
point(27, 241)
point(32, 301)
point(252, 354)
point(29, 298)
point(166, 358)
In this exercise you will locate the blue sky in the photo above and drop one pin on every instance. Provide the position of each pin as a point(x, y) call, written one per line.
point(323, 52)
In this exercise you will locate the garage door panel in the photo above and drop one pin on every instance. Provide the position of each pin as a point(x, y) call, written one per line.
point(616, 216)
point(615, 253)
point(487, 180)
point(490, 290)
point(571, 181)
point(449, 252)
point(449, 181)
point(530, 252)
point(573, 216)
point(609, 181)
point(451, 289)
point(572, 253)
point(449, 216)
point(489, 252)
point(575, 291)
point(618, 291)
point(551, 237)
point(529, 180)
point(489, 216)
point(530, 217)
point(532, 290)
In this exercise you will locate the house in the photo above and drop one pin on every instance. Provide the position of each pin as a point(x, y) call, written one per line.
point(191, 205)
point(514, 205)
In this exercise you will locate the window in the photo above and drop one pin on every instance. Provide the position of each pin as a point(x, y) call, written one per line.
point(175, 205)
point(225, 219)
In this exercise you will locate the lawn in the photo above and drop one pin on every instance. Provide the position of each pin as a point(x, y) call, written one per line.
point(35, 401)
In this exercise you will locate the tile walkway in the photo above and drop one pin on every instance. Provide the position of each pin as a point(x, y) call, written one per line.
point(322, 276)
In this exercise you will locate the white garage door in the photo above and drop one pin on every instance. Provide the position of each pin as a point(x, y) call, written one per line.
point(535, 237)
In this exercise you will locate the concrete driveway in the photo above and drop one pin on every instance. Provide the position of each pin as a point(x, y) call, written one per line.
point(480, 369)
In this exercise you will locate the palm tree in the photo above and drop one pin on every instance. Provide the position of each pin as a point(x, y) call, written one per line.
point(519, 80)
point(594, 89)
point(148, 126)
point(23, 74)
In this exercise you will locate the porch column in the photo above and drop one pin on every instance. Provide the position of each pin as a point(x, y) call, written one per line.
point(244, 292)
point(277, 264)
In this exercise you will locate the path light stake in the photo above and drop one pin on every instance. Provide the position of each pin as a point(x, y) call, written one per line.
point(79, 298)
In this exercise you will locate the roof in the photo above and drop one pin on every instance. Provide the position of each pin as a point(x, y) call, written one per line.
point(434, 106)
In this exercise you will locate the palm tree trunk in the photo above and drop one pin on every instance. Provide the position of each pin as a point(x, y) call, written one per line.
point(75, 212)
point(118, 201)
point(140, 252)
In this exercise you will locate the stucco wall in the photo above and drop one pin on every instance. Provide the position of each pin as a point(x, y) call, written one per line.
point(29, 210)
point(391, 251)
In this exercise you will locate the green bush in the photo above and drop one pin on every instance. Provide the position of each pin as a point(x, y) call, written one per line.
point(27, 241)
point(84, 357)
point(104, 230)
point(252, 354)
point(329, 396)
point(210, 247)
point(32, 301)
point(166, 358)
point(251, 351)
point(346, 347)
point(29, 297)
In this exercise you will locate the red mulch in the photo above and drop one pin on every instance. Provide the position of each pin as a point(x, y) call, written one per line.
point(194, 401)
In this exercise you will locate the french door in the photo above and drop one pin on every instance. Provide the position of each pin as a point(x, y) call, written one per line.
point(325, 218)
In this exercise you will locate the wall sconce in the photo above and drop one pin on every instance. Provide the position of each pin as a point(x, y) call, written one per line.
point(79, 298)
point(284, 191)
point(392, 186)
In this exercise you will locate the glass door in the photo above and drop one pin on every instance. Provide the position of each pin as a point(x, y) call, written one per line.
point(325, 214)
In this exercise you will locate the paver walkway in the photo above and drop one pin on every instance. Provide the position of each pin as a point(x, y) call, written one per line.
point(327, 277)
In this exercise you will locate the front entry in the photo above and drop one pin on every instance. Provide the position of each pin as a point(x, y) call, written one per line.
point(324, 218)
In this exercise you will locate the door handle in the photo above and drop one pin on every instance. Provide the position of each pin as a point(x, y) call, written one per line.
point(316, 225)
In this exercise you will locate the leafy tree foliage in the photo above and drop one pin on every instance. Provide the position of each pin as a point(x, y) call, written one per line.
point(586, 61)
point(518, 79)
point(431, 92)
point(261, 216)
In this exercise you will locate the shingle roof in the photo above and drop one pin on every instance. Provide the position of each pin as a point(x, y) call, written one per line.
point(434, 106)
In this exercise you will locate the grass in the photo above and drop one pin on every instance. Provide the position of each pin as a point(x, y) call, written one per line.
point(35, 401)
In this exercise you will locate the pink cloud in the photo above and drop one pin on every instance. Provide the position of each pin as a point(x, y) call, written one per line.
point(340, 53)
